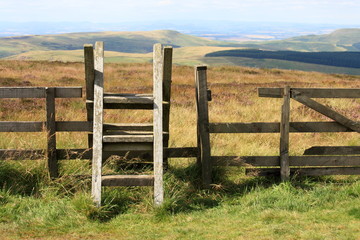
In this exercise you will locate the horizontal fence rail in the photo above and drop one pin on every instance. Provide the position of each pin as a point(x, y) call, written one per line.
point(63, 126)
point(274, 127)
point(82, 153)
point(312, 92)
point(39, 92)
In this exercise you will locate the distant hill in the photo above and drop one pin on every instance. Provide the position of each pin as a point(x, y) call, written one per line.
point(337, 59)
point(128, 42)
point(347, 36)
point(339, 40)
point(344, 45)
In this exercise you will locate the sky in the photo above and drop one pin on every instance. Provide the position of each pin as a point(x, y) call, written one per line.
point(284, 11)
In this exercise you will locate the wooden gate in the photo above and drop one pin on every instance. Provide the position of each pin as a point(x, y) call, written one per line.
point(342, 160)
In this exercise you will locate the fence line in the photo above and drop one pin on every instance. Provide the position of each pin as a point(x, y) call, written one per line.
point(321, 161)
point(52, 154)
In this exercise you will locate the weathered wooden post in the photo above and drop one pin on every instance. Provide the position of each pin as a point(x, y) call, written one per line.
point(203, 136)
point(167, 72)
point(98, 123)
point(158, 72)
point(89, 83)
point(51, 133)
point(284, 135)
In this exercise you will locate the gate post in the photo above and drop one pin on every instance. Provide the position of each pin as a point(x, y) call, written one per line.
point(284, 135)
point(52, 161)
point(203, 138)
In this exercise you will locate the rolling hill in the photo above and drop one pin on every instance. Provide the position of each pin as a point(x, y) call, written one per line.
point(339, 40)
point(128, 42)
point(191, 50)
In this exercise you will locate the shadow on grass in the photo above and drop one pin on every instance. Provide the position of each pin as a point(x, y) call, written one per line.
point(184, 192)
point(22, 178)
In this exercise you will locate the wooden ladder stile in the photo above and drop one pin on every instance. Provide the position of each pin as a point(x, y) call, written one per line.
point(132, 137)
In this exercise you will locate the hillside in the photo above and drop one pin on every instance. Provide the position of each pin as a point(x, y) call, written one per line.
point(337, 59)
point(347, 38)
point(191, 50)
point(339, 40)
point(128, 42)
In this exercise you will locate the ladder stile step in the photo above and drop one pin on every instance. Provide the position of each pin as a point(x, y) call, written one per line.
point(128, 138)
point(129, 99)
point(128, 126)
point(127, 180)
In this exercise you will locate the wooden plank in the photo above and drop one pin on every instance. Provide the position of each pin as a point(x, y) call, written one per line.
point(15, 154)
point(128, 138)
point(89, 83)
point(328, 112)
point(203, 124)
point(321, 171)
point(333, 150)
point(74, 126)
point(245, 161)
point(128, 126)
point(325, 161)
point(86, 153)
point(127, 180)
point(158, 73)
point(128, 99)
point(267, 161)
point(52, 162)
point(22, 126)
point(129, 95)
point(167, 75)
point(98, 123)
point(284, 136)
point(313, 92)
point(39, 92)
point(123, 106)
point(71, 126)
point(89, 72)
point(274, 127)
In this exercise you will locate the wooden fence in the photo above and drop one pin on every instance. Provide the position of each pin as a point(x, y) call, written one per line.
point(341, 160)
point(50, 125)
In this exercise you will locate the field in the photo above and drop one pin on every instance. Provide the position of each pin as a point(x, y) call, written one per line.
point(236, 207)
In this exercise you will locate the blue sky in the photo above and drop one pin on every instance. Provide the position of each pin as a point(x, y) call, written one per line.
point(298, 11)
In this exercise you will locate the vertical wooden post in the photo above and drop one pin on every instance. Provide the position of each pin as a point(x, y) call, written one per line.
point(89, 83)
point(98, 123)
point(51, 133)
point(284, 136)
point(158, 125)
point(203, 135)
point(167, 66)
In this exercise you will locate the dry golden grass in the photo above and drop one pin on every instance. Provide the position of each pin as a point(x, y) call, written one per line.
point(234, 100)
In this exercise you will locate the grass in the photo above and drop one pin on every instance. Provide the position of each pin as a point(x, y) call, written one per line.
point(236, 207)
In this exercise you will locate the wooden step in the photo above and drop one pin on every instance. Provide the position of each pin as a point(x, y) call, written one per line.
point(128, 126)
point(128, 138)
point(127, 146)
point(129, 98)
point(135, 133)
point(127, 180)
